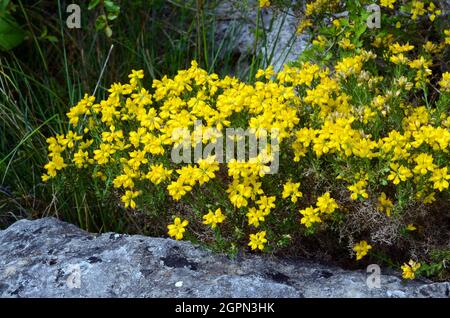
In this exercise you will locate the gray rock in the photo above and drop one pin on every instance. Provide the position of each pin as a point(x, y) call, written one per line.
point(50, 258)
point(445, 5)
point(281, 45)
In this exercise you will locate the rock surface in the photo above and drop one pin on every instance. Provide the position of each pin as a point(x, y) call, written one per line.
point(50, 258)
point(237, 21)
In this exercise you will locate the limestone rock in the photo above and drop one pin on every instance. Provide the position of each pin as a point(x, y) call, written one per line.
point(50, 258)
point(281, 44)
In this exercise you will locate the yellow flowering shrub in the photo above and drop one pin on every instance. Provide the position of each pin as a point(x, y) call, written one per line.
point(362, 135)
point(409, 269)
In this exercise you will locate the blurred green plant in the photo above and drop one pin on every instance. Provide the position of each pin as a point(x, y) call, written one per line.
point(11, 33)
point(109, 12)
point(439, 265)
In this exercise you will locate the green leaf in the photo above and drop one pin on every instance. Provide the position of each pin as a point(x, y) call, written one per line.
point(44, 33)
point(100, 23)
point(51, 38)
point(360, 29)
point(93, 4)
point(111, 6)
point(328, 56)
point(406, 8)
point(3, 6)
point(11, 34)
point(112, 16)
point(365, 15)
point(344, 22)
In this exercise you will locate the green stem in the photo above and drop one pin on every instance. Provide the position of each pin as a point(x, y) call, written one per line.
point(255, 45)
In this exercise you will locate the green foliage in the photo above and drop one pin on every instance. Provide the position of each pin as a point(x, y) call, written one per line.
point(439, 265)
point(11, 34)
point(109, 12)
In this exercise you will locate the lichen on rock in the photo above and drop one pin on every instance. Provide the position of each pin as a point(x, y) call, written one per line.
point(50, 258)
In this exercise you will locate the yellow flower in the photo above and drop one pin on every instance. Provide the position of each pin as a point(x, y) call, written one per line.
point(447, 36)
point(267, 73)
point(358, 189)
point(361, 249)
point(318, 6)
point(137, 159)
point(399, 173)
point(266, 204)
point(363, 148)
point(255, 216)
point(240, 192)
point(424, 163)
point(258, 240)
point(158, 174)
point(303, 25)
point(439, 178)
point(148, 119)
point(326, 204)
point(177, 189)
point(402, 82)
point(213, 218)
point(100, 175)
point(418, 9)
point(320, 41)
point(409, 269)
point(337, 23)
point(397, 48)
point(81, 159)
point(128, 199)
point(291, 189)
point(264, 3)
point(388, 3)
point(385, 204)
point(112, 135)
point(118, 89)
point(71, 138)
point(426, 199)
point(177, 229)
point(420, 63)
point(346, 44)
point(206, 170)
point(444, 83)
point(54, 165)
point(103, 155)
point(135, 76)
point(125, 180)
point(433, 11)
point(188, 175)
point(82, 108)
point(350, 65)
point(430, 47)
point(310, 216)
point(399, 59)
point(411, 227)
